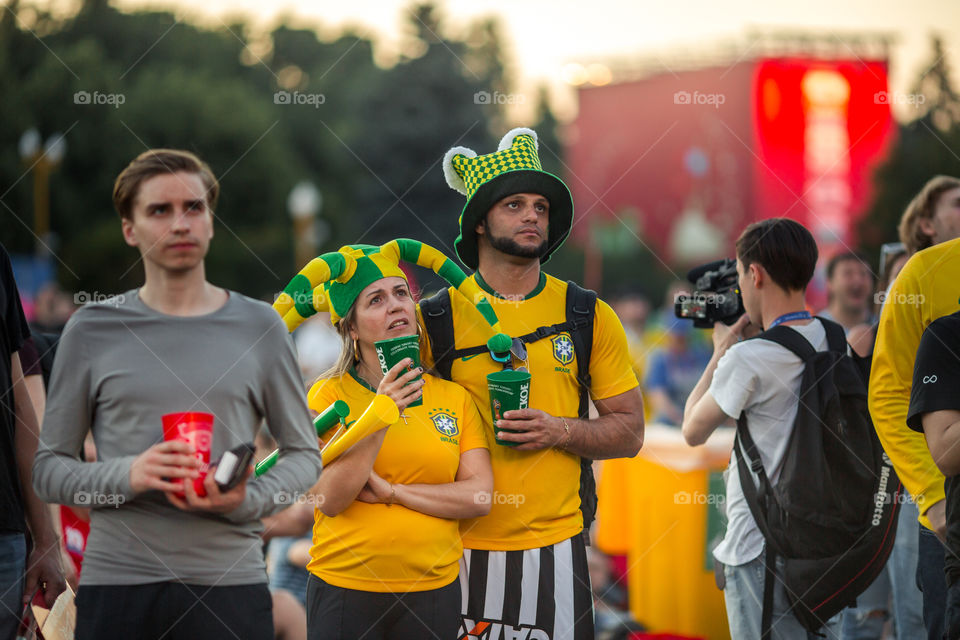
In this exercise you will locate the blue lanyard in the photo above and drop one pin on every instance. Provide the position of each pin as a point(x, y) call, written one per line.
point(790, 317)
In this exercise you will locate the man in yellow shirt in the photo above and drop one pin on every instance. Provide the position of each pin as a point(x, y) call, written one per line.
point(524, 568)
point(925, 290)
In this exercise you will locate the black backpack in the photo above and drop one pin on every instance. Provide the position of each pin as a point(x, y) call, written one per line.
point(833, 515)
point(580, 305)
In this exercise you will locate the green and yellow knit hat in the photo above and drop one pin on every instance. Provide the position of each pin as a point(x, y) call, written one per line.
point(332, 282)
point(485, 180)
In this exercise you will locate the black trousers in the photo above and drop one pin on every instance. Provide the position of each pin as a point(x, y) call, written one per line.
point(174, 611)
point(932, 582)
point(335, 613)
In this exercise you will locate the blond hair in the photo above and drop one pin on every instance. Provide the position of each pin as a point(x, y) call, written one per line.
point(922, 207)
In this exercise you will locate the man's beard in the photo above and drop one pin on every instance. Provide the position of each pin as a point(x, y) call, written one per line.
point(510, 247)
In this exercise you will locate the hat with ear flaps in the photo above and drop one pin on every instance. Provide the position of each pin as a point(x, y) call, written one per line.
point(332, 282)
point(513, 168)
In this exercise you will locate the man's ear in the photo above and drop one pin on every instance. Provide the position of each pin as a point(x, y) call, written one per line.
point(480, 227)
point(129, 236)
point(926, 225)
point(758, 274)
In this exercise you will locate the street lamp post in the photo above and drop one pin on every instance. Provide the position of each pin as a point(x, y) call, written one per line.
point(41, 161)
point(304, 204)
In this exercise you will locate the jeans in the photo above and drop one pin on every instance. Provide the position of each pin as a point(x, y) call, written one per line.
point(13, 562)
point(865, 621)
point(932, 581)
point(743, 595)
point(898, 580)
point(902, 568)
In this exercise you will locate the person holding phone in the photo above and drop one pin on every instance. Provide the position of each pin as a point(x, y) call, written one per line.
point(157, 565)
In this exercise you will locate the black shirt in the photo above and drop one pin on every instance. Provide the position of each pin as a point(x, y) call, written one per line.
point(13, 332)
point(936, 387)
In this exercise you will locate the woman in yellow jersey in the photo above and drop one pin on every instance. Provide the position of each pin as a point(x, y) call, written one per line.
point(386, 543)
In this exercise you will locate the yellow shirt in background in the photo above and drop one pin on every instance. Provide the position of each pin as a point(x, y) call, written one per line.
point(927, 288)
point(536, 500)
point(375, 547)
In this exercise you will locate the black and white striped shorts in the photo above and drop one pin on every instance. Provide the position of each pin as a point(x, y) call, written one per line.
point(535, 594)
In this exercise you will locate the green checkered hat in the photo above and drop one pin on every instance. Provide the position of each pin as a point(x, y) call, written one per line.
point(485, 180)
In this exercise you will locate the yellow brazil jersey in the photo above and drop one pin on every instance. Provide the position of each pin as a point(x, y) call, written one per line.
point(375, 547)
point(927, 288)
point(536, 500)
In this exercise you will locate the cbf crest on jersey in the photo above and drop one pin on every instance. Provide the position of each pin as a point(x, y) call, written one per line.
point(562, 348)
point(445, 421)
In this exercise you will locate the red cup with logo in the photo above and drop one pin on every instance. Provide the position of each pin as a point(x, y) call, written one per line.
point(195, 428)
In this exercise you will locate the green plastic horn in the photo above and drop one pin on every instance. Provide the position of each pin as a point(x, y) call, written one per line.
point(334, 414)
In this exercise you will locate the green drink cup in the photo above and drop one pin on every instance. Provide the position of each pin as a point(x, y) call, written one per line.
point(392, 351)
point(509, 390)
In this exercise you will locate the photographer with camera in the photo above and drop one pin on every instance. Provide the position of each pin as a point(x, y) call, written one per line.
point(759, 380)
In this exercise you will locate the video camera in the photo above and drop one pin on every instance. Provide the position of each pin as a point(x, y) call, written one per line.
point(716, 296)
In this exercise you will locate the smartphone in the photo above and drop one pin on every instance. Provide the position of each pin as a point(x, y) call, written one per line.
point(233, 464)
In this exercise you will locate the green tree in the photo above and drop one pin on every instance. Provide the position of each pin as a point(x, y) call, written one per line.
point(370, 138)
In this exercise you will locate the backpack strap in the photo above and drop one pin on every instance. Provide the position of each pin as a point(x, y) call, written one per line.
point(836, 336)
point(581, 304)
point(438, 323)
point(789, 339)
point(580, 312)
point(758, 496)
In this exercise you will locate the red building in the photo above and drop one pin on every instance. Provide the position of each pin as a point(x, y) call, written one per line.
point(685, 159)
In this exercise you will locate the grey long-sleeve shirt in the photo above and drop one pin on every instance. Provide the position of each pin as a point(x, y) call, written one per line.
point(120, 366)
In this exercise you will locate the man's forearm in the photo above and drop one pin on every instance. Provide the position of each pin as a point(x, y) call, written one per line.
point(703, 384)
point(26, 436)
point(295, 472)
point(947, 454)
point(614, 435)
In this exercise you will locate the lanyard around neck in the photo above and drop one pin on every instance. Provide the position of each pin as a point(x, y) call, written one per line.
point(790, 317)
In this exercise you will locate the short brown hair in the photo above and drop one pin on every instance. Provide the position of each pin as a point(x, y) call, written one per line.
point(156, 162)
point(783, 247)
point(846, 256)
point(922, 208)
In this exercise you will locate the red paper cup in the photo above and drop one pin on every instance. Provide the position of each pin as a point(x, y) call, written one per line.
point(195, 428)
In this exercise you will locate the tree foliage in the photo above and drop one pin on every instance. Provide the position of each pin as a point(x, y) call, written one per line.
point(371, 138)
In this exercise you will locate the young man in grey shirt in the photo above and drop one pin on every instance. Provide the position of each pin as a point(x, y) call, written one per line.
point(157, 565)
